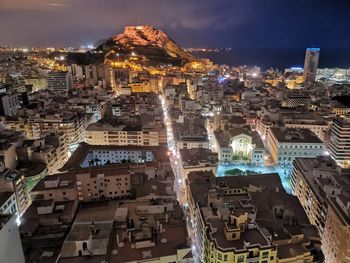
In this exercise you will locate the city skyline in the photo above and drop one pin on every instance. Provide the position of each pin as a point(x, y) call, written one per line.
point(118, 144)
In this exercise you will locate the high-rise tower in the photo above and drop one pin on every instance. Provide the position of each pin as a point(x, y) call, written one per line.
point(311, 63)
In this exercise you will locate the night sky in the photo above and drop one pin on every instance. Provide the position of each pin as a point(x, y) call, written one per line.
point(240, 24)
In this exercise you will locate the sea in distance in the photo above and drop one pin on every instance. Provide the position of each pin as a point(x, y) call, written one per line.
point(277, 58)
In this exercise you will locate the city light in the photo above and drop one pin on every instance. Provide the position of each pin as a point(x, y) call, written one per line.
point(18, 220)
point(125, 150)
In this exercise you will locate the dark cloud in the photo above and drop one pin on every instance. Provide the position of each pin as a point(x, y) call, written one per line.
point(223, 23)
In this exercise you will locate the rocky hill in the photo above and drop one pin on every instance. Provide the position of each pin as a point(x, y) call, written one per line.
point(148, 43)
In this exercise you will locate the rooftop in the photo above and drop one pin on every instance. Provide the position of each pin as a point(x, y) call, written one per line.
point(8, 137)
point(172, 235)
point(328, 182)
point(292, 135)
point(261, 199)
point(81, 153)
point(198, 156)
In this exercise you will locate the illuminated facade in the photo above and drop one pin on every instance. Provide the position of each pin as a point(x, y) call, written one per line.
point(242, 146)
point(239, 144)
point(106, 134)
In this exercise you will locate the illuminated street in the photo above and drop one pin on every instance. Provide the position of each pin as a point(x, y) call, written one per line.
point(174, 131)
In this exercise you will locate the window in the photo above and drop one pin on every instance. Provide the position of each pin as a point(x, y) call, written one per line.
point(240, 258)
point(219, 256)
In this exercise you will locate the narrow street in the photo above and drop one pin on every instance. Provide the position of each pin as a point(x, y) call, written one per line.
point(179, 182)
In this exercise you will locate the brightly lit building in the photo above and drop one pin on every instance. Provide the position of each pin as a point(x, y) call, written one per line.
point(311, 63)
point(338, 144)
point(144, 86)
point(323, 190)
point(71, 122)
point(263, 127)
point(108, 134)
point(285, 144)
point(248, 219)
point(238, 144)
point(333, 75)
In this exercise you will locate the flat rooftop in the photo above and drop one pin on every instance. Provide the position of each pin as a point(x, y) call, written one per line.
point(292, 135)
point(173, 237)
point(196, 156)
point(81, 153)
point(96, 211)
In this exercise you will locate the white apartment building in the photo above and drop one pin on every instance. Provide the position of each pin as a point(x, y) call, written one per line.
point(285, 144)
point(339, 140)
point(9, 104)
point(106, 134)
point(71, 123)
point(59, 81)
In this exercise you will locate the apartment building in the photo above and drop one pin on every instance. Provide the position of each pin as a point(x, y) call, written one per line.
point(71, 123)
point(322, 188)
point(59, 81)
point(285, 144)
point(51, 150)
point(140, 230)
point(141, 135)
point(191, 133)
point(248, 219)
point(339, 140)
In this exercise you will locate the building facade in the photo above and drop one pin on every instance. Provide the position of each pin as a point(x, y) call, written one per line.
point(323, 190)
point(311, 64)
point(339, 138)
point(285, 144)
